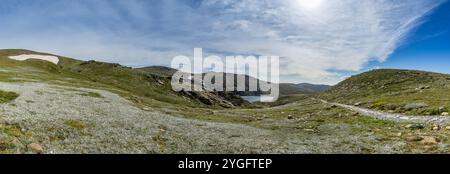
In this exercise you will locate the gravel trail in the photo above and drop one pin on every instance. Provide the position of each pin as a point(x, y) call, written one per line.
point(438, 120)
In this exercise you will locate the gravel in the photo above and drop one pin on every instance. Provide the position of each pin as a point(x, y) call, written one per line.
point(114, 125)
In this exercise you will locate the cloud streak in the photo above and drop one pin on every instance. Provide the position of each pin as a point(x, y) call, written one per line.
point(315, 44)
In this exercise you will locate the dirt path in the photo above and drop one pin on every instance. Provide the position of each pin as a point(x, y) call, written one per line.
point(439, 120)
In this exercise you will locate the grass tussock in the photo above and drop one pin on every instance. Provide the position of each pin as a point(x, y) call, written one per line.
point(9, 141)
point(92, 94)
point(76, 124)
point(7, 96)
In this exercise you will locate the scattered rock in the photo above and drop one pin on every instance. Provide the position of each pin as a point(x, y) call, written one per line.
point(36, 148)
point(444, 114)
point(290, 117)
point(357, 104)
point(442, 108)
point(4, 122)
point(380, 138)
point(414, 138)
point(17, 143)
point(234, 136)
point(399, 134)
point(436, 128)
point(414, 126)
point(146, 109)
point(160, 82)
point(413, 106)
point(447, 128)
point(3, 136)
point(423, 87)
point(309, 130)
point(428, 140)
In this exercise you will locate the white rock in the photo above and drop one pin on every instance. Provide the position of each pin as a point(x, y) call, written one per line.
point(36, 148)
point(428, 140)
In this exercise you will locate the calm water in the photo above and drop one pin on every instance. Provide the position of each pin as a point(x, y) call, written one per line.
point(253, 99)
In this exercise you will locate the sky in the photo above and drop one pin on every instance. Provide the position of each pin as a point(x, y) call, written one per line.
point(318, 41)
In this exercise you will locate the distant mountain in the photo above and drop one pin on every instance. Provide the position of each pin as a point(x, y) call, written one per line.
point(302, 88)
point(285, 88)
point(314, 87)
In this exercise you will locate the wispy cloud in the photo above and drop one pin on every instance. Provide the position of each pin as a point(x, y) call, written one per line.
point(314, 43)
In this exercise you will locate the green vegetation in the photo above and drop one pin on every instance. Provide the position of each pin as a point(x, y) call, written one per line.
point(136, 82)
point(76, 124)
point(7, 96)
point(92, 94)
point(9, 139)
point(159, 71)
point(395, 91)
point(292, 89)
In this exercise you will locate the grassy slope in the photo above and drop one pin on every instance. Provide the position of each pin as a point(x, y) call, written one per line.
point(401, 91)
point(159, 70)
point(143, 87)
point(139, 83)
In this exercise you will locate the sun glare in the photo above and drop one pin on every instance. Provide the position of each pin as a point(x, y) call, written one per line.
point(310, 4)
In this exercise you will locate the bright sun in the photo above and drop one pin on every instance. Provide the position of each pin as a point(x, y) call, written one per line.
point(310, 4)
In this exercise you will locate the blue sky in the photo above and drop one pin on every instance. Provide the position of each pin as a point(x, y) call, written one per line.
point(319, 41)
point(428, 47)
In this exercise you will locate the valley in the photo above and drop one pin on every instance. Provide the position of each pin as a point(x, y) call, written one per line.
point(95, 107)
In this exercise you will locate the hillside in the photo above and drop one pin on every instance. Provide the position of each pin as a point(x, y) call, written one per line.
point(95, 107)
point(314, 88)
point(159, 70)
point(400, 91)
point(147, 87)
point(302, 88)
